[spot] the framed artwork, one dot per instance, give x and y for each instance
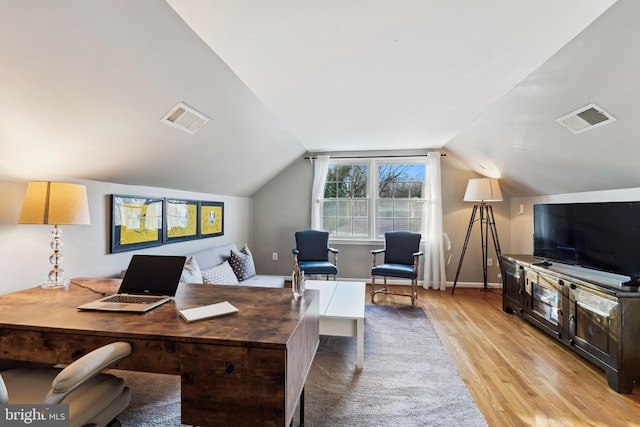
(181, 220)
(136, 222)
(211, 219)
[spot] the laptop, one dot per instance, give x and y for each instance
(150, 281)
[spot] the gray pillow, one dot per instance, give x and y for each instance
(242, 263)
(220, 275)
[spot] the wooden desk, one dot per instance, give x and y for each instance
(246, 369)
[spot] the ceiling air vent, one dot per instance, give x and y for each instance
(586, 118)
(185, 118)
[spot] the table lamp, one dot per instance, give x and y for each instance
(55, 203)
(481, 191)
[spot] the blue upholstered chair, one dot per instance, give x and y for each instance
(312, 253)
(401, 260)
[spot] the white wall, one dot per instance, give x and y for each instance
(522, 223)
(25, 251)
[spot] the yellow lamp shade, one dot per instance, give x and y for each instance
(56, 203)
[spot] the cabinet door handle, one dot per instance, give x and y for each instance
(572, 327)
(559, 312)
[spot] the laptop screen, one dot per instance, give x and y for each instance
(153, 275)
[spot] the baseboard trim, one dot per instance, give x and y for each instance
(420, 283)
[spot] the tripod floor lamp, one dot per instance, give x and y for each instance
(481, 191)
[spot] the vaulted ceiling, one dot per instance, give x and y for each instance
(84, 84)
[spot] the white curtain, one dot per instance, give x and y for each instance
(320, 170)
(434, 266)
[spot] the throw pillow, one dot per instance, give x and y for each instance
(220, 275)
(191, 272)
(242, 263)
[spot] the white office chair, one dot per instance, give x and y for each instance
(94, 398)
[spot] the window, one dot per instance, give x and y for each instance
(366, 198)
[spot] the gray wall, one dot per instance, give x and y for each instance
(267, 222)
(282, 207)
(25, 251)
(279, 209)
(522, 211)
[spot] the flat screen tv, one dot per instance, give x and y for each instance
(600, 236)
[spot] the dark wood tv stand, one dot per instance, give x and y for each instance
(598, 321)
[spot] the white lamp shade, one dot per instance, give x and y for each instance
(55, 203)
(483, 190)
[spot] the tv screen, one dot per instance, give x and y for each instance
(601, 236)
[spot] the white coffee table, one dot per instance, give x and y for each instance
(342, 311)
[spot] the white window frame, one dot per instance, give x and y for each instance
(373, 191)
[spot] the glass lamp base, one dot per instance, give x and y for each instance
(54, 284)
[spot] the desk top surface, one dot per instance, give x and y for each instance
(267, 317)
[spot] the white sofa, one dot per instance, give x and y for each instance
(214, 257)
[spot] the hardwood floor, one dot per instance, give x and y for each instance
(517, 375)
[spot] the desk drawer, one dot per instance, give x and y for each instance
(242, 386)
(51, 347)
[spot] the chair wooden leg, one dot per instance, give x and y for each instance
(414, 292)
(373, 288)
(384, 289)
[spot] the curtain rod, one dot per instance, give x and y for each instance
(375, 157)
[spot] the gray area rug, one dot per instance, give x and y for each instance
(408, 380)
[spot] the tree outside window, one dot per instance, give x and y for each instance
(346, 204)
(394, 202)
(400, 198)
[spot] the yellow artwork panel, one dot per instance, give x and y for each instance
(136, 222)
(130, 236)
(211, 220)
(182, 220)
(139, 224)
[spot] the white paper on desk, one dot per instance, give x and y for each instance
(208, 311)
